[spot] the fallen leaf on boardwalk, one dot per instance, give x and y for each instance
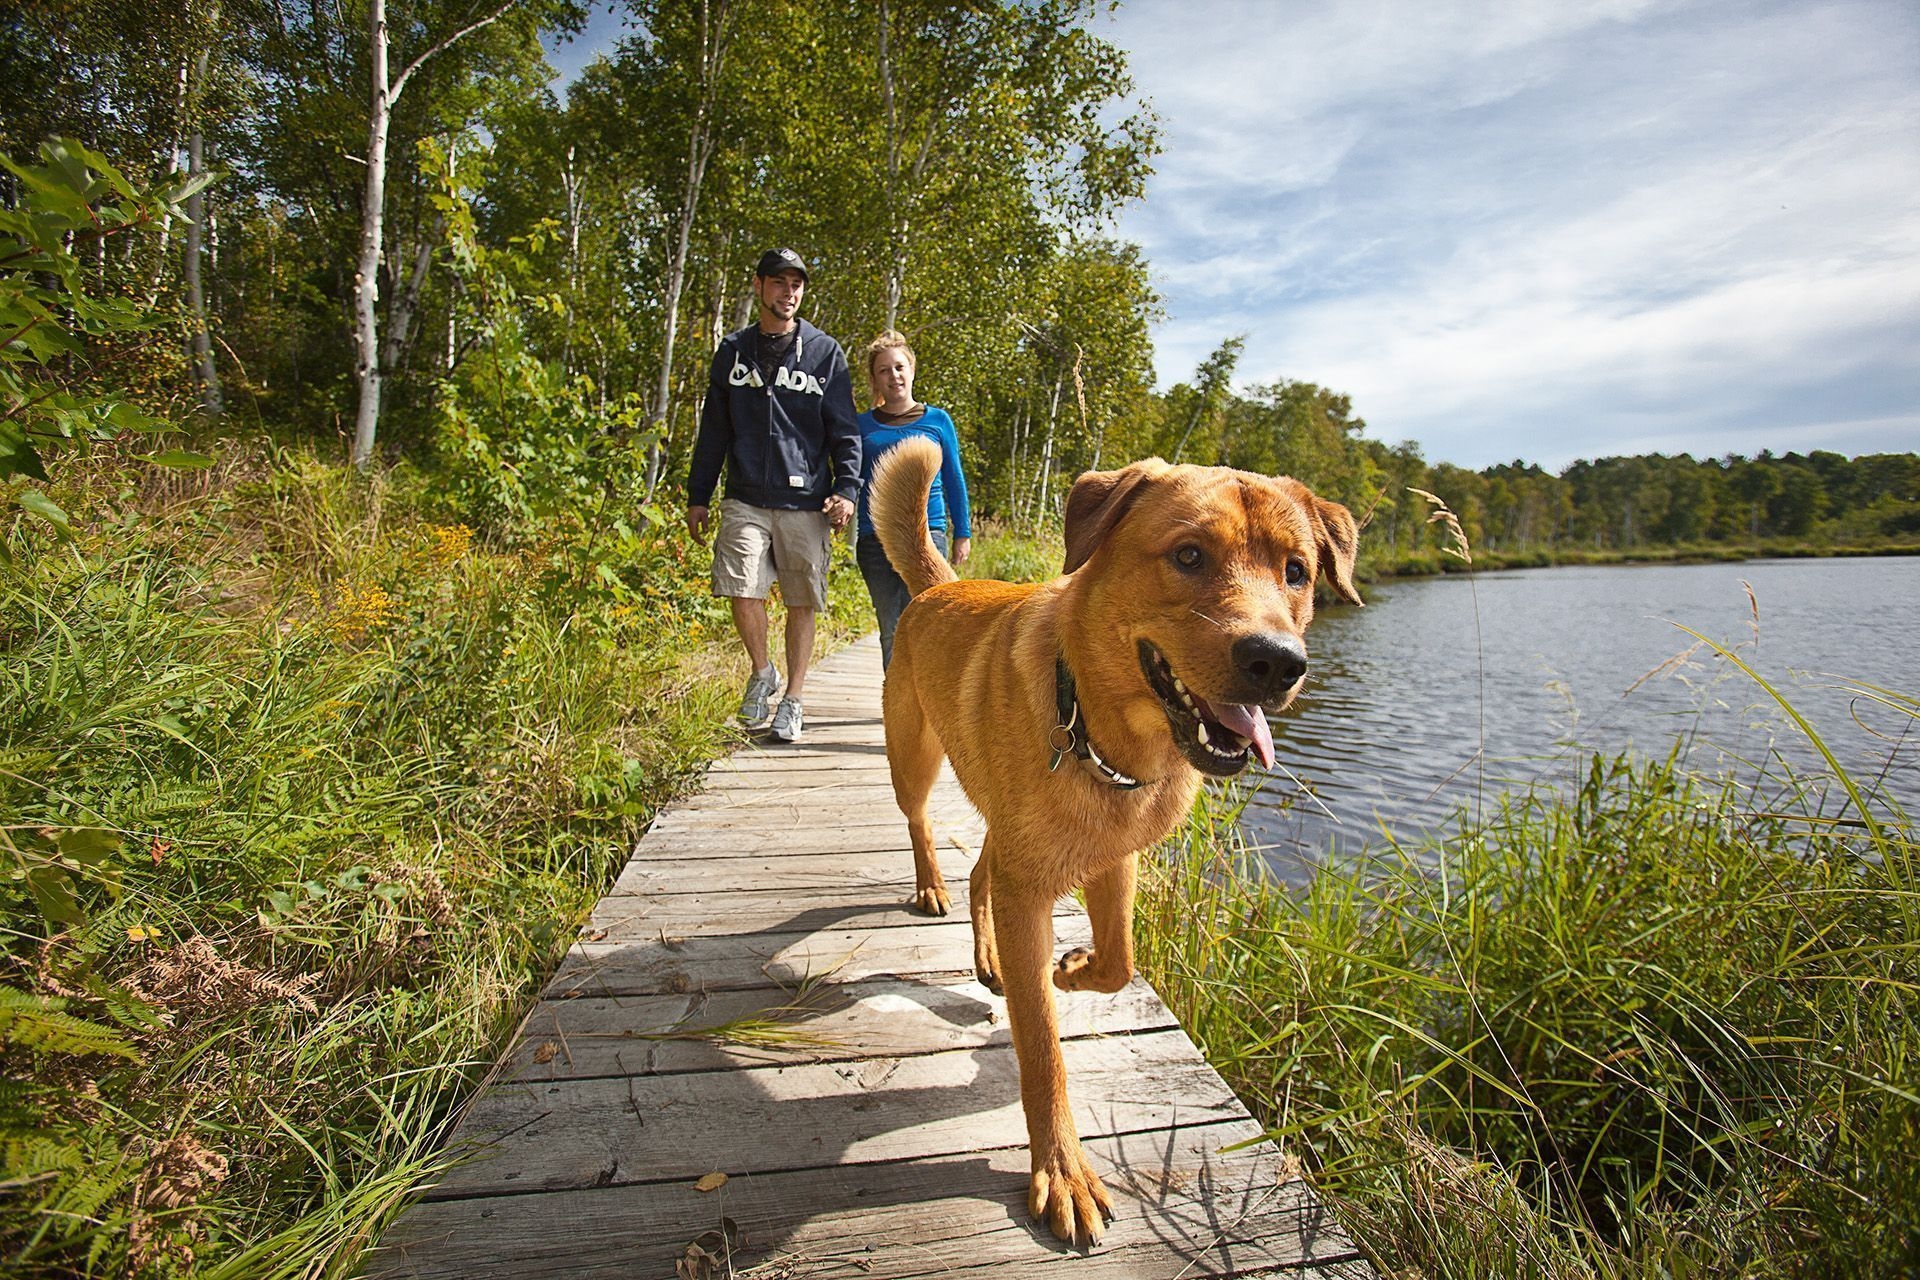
(712, 1182)
(695, 1264)
(592, 935)
(545, 1052)
(709, 1250)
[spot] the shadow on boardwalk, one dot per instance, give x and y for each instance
(880, 1133)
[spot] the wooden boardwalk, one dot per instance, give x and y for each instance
(889, 1140)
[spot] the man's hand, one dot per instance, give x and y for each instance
(697, 523)
(962, 548)
(838, 510)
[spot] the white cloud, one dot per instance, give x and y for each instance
(1548, 231)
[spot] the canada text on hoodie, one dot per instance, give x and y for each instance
(785, 445)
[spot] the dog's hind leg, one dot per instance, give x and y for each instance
(1108, 966)
(913, 757)
(986, 953)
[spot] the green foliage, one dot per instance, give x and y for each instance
(1517, 514)
(54, 390)
(331, 781)
(521, 443)
(36, 1023)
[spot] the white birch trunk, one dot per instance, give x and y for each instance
(203, 371)
(400, 328)
(1046, 449)
(700, 143)
(570, 184)
(173, 167)
(366, 277)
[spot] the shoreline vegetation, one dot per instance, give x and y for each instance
(1432, 564)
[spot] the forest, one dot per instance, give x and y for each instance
(349, 369)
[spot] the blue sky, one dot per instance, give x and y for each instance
(1542, 229)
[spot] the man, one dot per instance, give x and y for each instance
(779, 414)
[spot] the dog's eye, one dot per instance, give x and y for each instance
(1188, 557)
(1296, 573)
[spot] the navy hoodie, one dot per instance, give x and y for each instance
(788, 445)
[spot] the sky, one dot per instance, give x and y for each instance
(1540, 229)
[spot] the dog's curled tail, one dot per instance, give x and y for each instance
(902, 478)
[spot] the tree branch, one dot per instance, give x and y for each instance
(393, 92)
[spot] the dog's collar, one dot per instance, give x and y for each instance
(1069, 736)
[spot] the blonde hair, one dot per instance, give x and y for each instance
(890, 340)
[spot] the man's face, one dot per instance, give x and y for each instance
(779, 296)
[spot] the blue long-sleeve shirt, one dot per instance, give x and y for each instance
(949, 495)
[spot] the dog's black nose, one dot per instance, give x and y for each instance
(1270, 662)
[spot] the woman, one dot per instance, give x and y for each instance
(890, 367)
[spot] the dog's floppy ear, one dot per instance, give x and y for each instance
(1096, 504)
(1338, 541)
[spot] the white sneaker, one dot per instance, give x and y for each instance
(787, 720)
(760, 690)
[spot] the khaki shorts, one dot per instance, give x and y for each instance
(755, 545)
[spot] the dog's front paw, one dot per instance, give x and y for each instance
(1073, 965)
(931, 902)
(1069, 1197)
(1083, 969)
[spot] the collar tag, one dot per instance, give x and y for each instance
(1061, 740)
(1067, 738)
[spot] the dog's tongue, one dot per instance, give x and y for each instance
(1249, 723)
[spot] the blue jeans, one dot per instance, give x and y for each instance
(888, 591)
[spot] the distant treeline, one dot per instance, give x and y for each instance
(1517, 510)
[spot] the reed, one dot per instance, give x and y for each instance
(1635, 1030)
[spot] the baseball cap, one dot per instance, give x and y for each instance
(774, 261)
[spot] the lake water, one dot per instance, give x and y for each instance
(1546, 666)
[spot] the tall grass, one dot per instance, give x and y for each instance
(303, 795)
(1636, 1030)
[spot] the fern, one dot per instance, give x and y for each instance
(35, 1023)
(31, 1159)
(82, 1195)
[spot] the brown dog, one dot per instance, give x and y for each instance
(1080, 714)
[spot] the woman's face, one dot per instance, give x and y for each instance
(893, 378)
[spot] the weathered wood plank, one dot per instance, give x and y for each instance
(818, 802)
(819, 818)
(855, 873)
(747, 911)
(799, 773)
(890, 1017)
(751, 841)
(575, 1134)
(769, 762)
(674, 965)
(1186, 1208)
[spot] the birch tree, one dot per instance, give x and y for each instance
(205, 376)
(705, 38)
(386, 91)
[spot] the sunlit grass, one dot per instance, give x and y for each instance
(1630, 1031)
(333, 784)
